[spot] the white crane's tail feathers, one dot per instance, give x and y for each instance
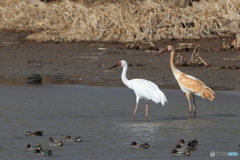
(148, 90)
(159, 97)
(163, 98)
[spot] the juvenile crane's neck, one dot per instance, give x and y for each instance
(172, 61)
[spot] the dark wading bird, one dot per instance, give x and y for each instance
(189, 84)
(142, 88)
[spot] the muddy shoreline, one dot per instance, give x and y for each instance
(86, 63)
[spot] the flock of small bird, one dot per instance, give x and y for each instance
(184, 148)
(47, 152)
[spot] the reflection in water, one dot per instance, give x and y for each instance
(40, 79)
(34, 79)
(142, 132)
(224, 115)
(142, 127)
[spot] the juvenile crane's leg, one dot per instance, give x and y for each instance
(194, 107)
(135, 111)
(189, 101)
(146, 110)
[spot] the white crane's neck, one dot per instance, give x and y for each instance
(124, 75)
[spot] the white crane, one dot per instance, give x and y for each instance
(142, 88)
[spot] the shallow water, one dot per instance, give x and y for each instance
(101, 115)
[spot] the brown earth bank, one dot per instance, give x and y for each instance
(87, 62)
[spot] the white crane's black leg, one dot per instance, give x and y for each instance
(194, 107)
(146, 109)
(188, 95)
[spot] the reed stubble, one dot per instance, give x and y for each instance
(150, 20)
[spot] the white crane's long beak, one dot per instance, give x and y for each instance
(116, 65)
(162, 51)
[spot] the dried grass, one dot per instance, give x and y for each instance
(195, 59)
(149, 20)
(235, 44)
(5, 3)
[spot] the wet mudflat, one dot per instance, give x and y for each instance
(101, 115)
(87, 63)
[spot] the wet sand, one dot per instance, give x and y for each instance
(86, 63)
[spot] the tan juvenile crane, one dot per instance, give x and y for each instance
(189, 84)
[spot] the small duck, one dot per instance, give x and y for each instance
(33, 148)
(192, 142)
(37, 133)
(180, 148)
(76, 139)
(135, 145)
(43, 152)
(190, 145)
(175, 152)
(55, 143)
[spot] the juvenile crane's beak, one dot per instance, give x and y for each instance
(162, 51)
(116, 65)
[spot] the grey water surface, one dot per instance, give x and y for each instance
(101, 115)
